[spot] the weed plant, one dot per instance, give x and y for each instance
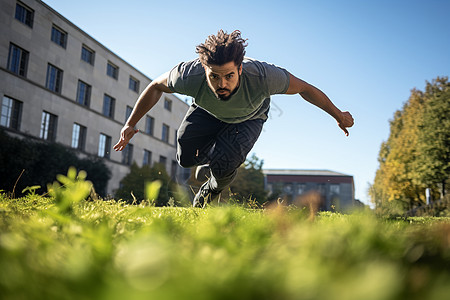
(61, 246)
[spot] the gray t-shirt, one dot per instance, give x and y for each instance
(258, 81)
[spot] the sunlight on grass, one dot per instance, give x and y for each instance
(55, 247)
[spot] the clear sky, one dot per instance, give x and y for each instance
(365, 55)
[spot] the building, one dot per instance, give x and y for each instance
(337, 191)
(59, 84)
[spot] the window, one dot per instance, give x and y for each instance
(168, 104)
(335, 189)
(163, 160)
(149, 125)
(133, 84)
(54, 78)
(59, 36)
(301, 188)
(48, 126)
(175, 137)
(127, 155)
(128, 112)
(87, 55)
(174, 168)
(112, 70)
(18, 60)
(11, 112)
(147, 161)
(104, 146)
(165, 133)
(78, 136)
(83, 93)
(24, 14)
(108, 106)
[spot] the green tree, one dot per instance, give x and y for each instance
(136, 181)
(416, 154)
(249, 182)
(434, 136)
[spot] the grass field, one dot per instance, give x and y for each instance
(63, 247)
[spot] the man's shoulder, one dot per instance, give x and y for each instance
(256, 67)
(190, 68)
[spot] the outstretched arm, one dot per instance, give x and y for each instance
(148, 98)
(319, 99)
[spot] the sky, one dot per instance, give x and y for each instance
(366, 56)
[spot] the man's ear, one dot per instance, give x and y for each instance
(240, 70)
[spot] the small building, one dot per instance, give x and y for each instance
(336, 190)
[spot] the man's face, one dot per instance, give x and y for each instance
(224, 79)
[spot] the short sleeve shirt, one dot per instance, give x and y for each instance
(258, 81)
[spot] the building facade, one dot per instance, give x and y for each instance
(336, 190)
(59, 84)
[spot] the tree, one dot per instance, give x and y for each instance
(434, 136)
(416, 154)
(249, 182)
(136, 181)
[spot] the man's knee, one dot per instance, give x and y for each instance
(186, 161)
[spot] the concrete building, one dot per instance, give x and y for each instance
(59, 84)
(337, 190)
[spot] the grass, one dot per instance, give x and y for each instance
(55, 248)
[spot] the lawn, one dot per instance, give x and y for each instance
(63, 247)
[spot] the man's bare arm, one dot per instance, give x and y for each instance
(315, 96)
(148, 98)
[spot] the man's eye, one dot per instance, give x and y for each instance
(214, 76)
(229, 76)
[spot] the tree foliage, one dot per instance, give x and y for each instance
(24, 162)
(249, 182)
(416, 154)
(134, 184)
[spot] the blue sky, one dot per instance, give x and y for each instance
(365, 55)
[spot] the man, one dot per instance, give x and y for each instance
(231, 103)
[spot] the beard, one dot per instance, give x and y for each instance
(225, 97)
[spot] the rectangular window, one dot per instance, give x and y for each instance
(176, 137)
(108, 106)
(54, 79)
(11, 113)
(18, 60)
(112, 70)
(163, 160)
(168, 104)
(128, 112)
(83, 93)
(147, 161)
(173, 169)
(87, 55)
(335, 189)
(134, 85)
(78, 136)
(48, 126)
(165, 133)
(104, 146)
(59, 36)
(24, 14)
(149, 125)
(127, 155)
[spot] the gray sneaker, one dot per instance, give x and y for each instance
(203, 173)
(204, 196)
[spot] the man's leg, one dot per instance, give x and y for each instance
(233, 143)
(196, 137)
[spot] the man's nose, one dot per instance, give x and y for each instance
(222, 83)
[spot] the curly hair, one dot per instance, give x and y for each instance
(222, 48)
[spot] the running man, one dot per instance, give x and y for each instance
(231, 103)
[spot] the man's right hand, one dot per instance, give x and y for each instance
(126, 134)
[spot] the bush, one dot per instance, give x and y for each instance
(25, 162)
